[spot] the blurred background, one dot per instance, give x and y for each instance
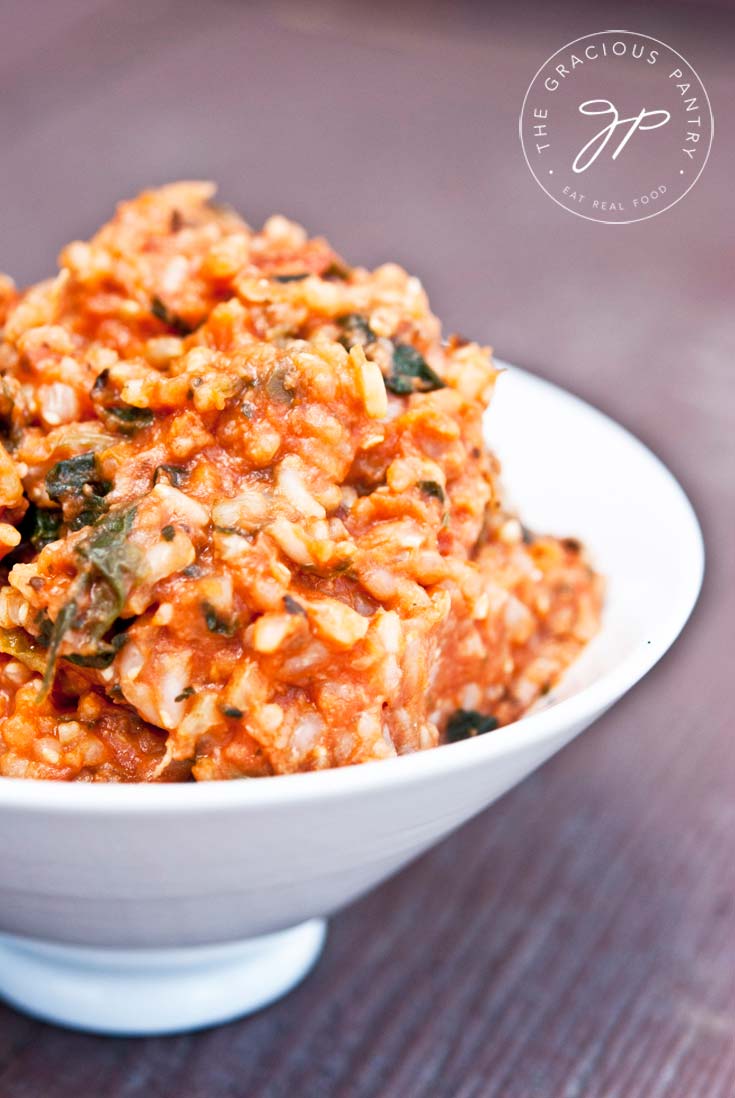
(392, 129)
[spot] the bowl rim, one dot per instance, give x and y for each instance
(382, 775)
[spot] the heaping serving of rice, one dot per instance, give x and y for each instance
(248, 522)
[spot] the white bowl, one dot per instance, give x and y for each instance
(150, 909)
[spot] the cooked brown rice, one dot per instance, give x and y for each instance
(248, 520)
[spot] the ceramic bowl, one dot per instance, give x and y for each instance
(151, 909)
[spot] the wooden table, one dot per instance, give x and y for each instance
(578, 939)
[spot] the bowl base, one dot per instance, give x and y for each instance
(142, 992)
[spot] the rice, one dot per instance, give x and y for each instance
(248, 521)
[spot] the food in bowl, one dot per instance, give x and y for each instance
(248, 521)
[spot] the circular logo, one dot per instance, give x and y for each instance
(616, 127)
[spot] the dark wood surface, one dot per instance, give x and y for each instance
(577, 940)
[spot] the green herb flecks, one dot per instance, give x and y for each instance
(109, 563)
(111, 566)
(17, 643)
(279, 386)
(176, 474)
(463, 724)
(337, 269)
(131, 419)
(355, 330)
(411, 372)
(100, 659)
(433, 489)
(77, 484)
(233, 712)
(46, 527)
(215, 622)
(59, 629)
(176, 323)
(187, 692)
(69, 477)
(233, 532)
(291, 277)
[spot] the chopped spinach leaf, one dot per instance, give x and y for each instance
(232, 531)
(431, 488)
(17, 643)
(168, 533)
(70, 476)
(291, 277)
(185, 693)
(232, 711)
(119, 640)
(108, 565)
(94, 508)
(176, 474)
(45, 628)
(409, 367)
(46, 527)
(77, 481)
(38, 528)
(134, 419)
(163, 313)
(100, 382)
(292, 606)
(102, 658)
(337, 269)
(279, 387)
(465, 723)
(355, 329)
(216, 623)
(64, 620)
(111, 564)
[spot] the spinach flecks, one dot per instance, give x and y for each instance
(233, 712)
(76, 481)
(291, 277)
(111, 565)
(92, 511)
(337, 269)
(162, 312)
(70, 476)
(432, 488)
(46, 527)
(215, 622)
(62, 625)
(108, 566)
(411, 372)
(130, 418)
(466, 723)
(279, 387)
(176, 474)
(17, 643)
(100, 659)
(355, 329)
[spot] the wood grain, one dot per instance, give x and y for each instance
(578, 939)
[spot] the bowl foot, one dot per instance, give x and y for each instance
(141, 992)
